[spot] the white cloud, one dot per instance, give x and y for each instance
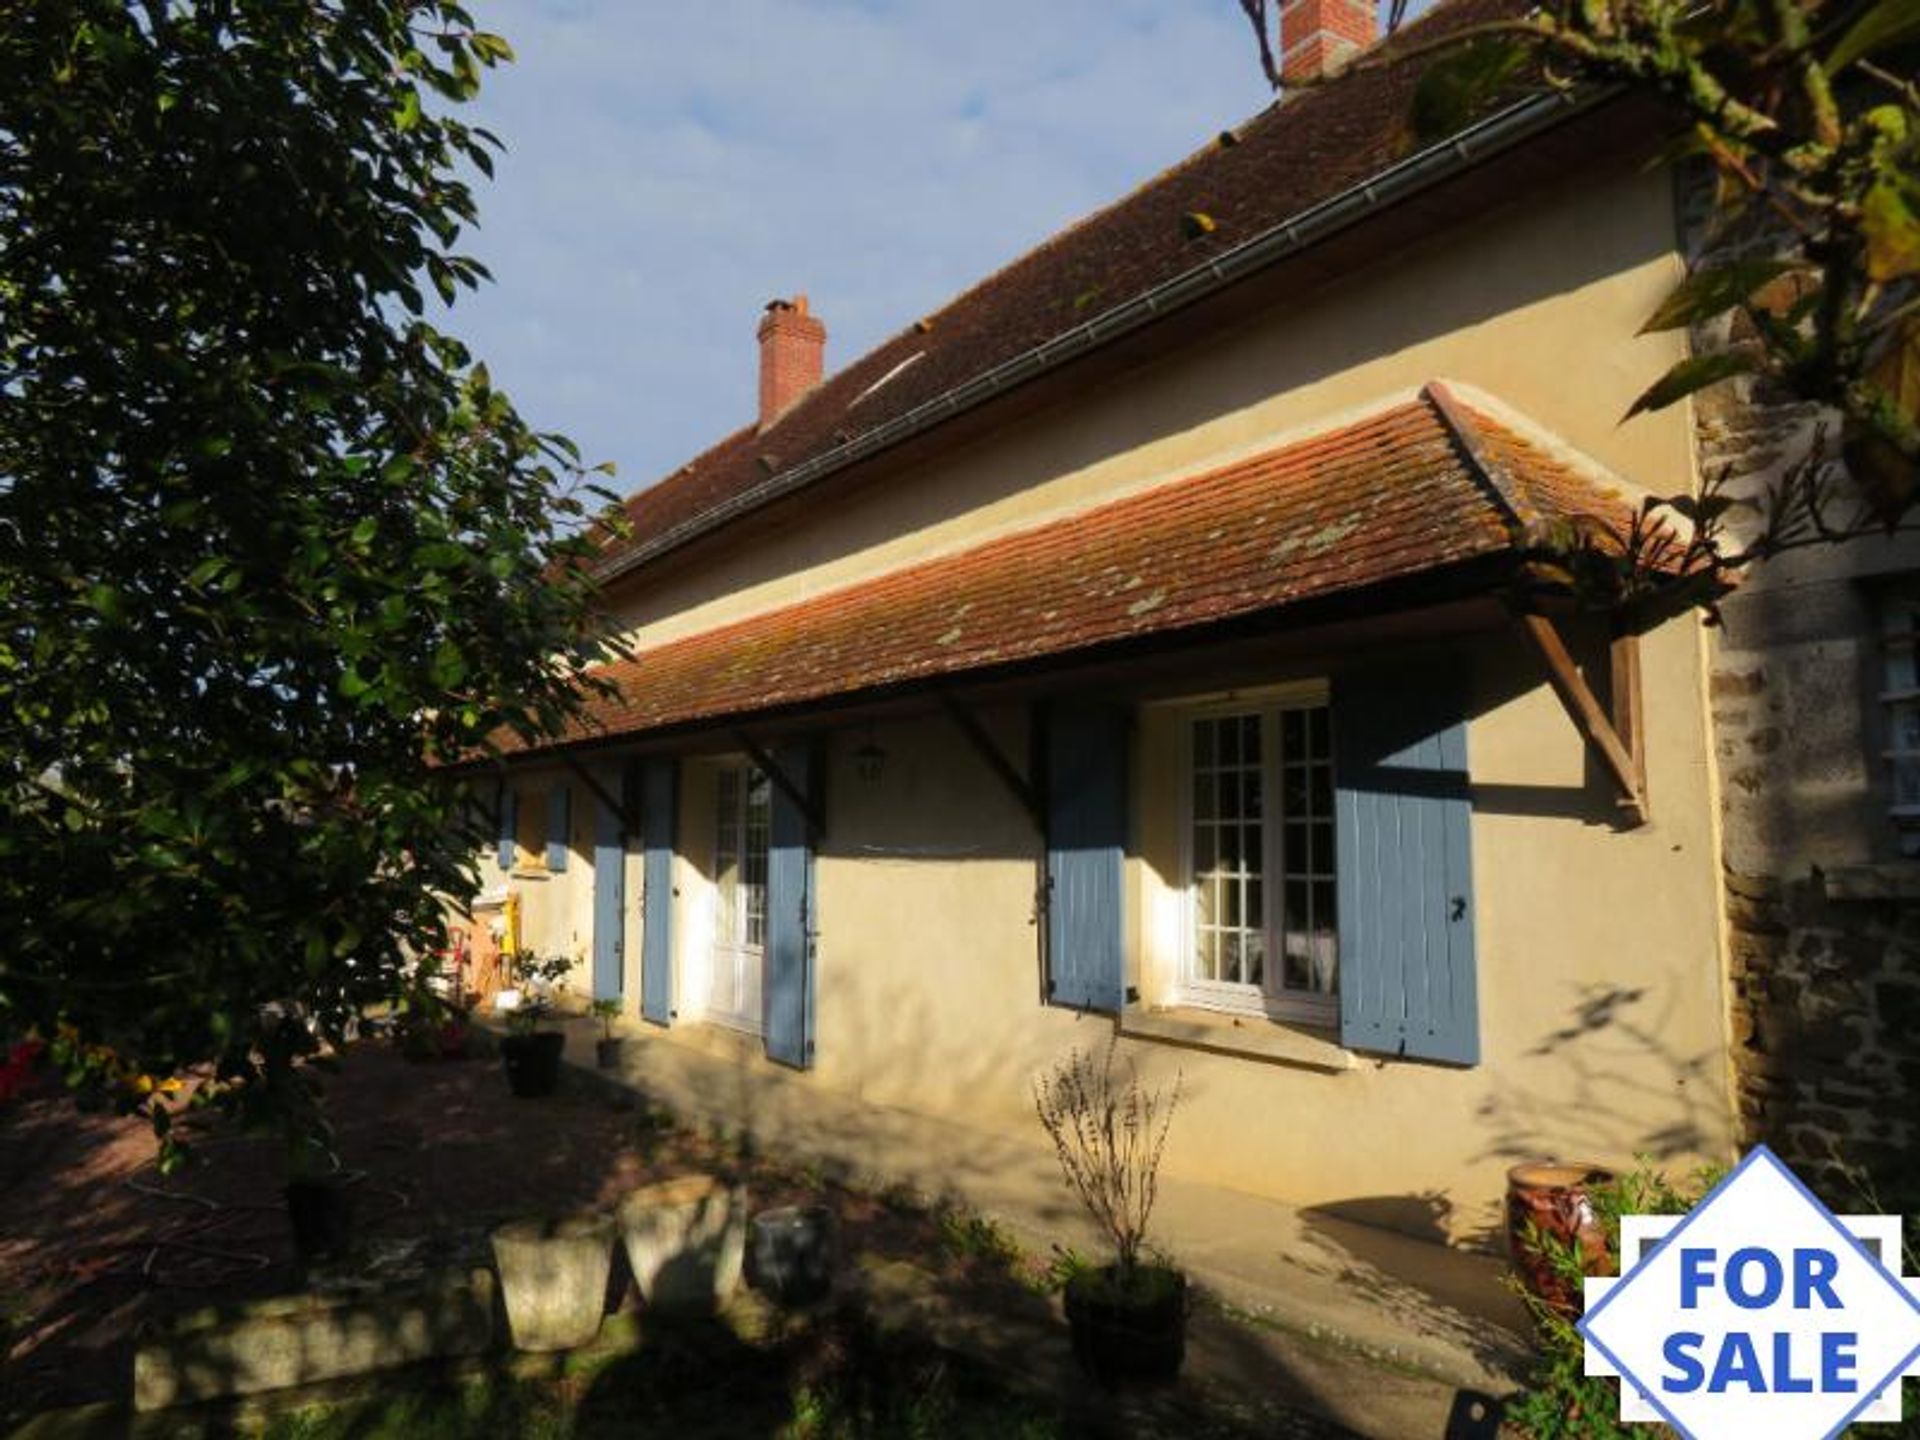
(673, 166)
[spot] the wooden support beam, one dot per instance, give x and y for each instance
(1003, 768)
(816, 822)
(1623, 659)
(629, 822)
(1587, 716)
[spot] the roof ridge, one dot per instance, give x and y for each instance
(1522, 515)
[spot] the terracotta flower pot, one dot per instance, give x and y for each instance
(685, 1240)
(1550, 1199)
(553, 1278)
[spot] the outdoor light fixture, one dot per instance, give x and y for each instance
(870, 761)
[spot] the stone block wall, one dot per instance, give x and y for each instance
(1823, 912)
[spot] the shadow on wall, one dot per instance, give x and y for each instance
(1624, 1091)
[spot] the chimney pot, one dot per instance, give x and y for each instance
(793, 352)
(1317, 37)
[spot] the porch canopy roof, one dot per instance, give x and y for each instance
(1417, 487)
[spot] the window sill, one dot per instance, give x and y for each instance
(530, 872)
(1893, 880)
(1309, 1049)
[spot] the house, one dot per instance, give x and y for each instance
(1162, 641)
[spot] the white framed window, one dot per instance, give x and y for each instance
(1900, 693)
(742, 811)
(1261, 925)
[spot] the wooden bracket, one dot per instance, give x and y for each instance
(629, 822)
(1618, 739)
(1003, 768)
(783, 782)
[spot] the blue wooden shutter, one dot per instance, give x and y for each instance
(559, 826)
(787, 983)
(609, 893)
(1404, 852)
(509, 825)
(1086, 848)
(659, 793)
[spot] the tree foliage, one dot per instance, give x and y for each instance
(1807, 115)
(270, 542)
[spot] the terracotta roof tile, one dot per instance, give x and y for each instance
(1398, 493)
(1300, 151)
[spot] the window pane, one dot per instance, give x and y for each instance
(1317, 739)
(1906, 726)
(1255, 847)
(1203, 742)
(1294, 800)
(1203, 956)
(1229, 743)
(1230, 848)
(1250, 739)
(1250, 793)
(1294, 857)
(1203, 797)
(1203, 907)
(1256, 912)
(1205, 847)
(1230, 956)
(1230, 893)
(1293, 730)
(1321, 790)
(1906, 782)
(1254, 955)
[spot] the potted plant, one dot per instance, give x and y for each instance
(553, 1279)
(1129, 1318)
(606, 1050)
(531, 1054)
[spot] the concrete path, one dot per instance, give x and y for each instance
(1347, 1310)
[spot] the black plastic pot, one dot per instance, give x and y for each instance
(1135, 1331)
(532, 1062)
(606, 1053)
(321, 1212)
(790, 1259)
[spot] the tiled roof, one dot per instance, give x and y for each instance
(1410, 489)
(1314, 144)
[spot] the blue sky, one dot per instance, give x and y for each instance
(674, 164)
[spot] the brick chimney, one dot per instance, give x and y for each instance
(793, 353)
(1317, 37)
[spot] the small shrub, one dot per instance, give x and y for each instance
(968, 1236)
(1108, 1134)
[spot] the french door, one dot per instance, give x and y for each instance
(742, 812)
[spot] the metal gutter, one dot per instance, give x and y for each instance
(1476, 143)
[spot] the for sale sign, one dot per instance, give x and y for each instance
(1761, 1315)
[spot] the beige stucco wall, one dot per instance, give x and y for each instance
(1601, 1013)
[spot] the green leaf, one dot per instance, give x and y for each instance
(1886, 26)
(490, 48)
(441, 555)
(1694, 373)
(406, 115)
(1460, 85)
(1890, 221)
(1713, 290)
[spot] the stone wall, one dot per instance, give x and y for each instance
(1823, 912)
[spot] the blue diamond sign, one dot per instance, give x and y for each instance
(1761, 1315)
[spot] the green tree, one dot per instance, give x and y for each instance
(1807, 114)
(270, 542)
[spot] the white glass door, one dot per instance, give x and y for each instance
(740, 896)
